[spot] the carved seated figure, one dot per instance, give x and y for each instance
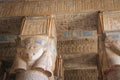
(35, 59)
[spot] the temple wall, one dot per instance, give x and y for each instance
(76, 22)
(47, 7)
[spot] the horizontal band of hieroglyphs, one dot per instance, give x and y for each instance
(81, 74)
(8, 38)
(10, 25)
(81, 21)
(79, 65)
(7, 52)
(78, 46)
(77, 34)
(81, 58)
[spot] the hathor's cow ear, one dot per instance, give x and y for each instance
(52, 28)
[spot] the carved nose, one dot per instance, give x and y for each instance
(29, 56)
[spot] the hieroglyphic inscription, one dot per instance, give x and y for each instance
(81, 74)
(7, 51)
(76, 34)
(35, 26)
(8, 38)
(73, 22)
(10, 25)
(111, 21)
(84, 45)
(80, 61)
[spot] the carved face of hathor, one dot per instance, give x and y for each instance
(32, 48)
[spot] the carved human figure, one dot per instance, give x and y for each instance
(35, 59)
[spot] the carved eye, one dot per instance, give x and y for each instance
(33, 53)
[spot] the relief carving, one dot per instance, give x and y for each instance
(111, 21)
(75, 23)
(36, 56)
(10, 25)
(84, 45)
(112, 46)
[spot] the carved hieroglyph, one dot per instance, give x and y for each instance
(36, 56)
(111, 21)
(10, 25)
(70, 26)
(112, 44)
(82, 42)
